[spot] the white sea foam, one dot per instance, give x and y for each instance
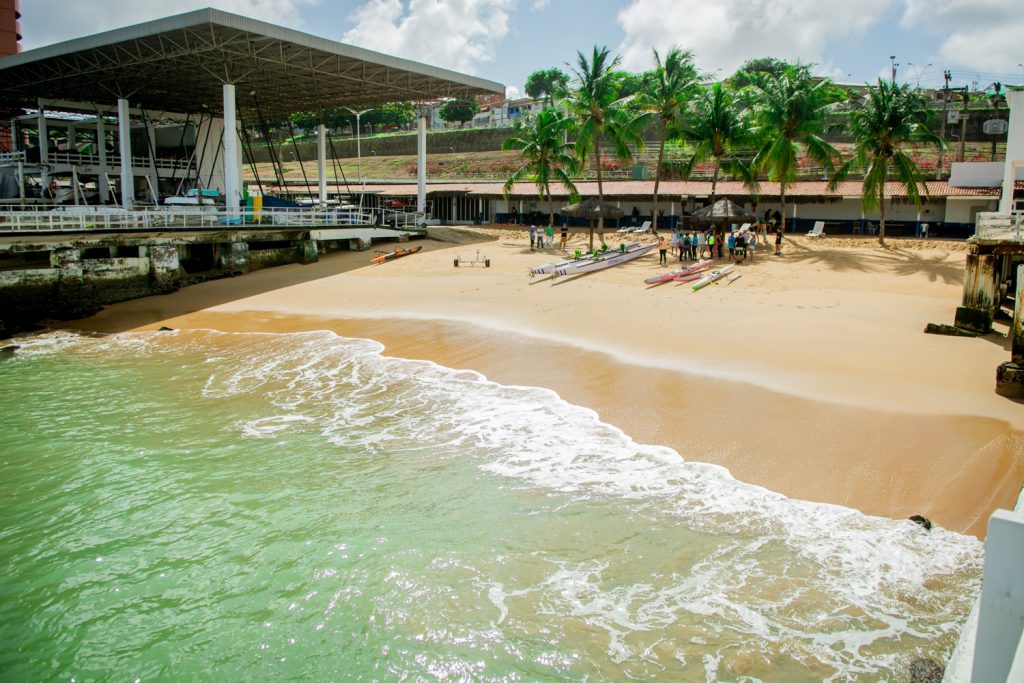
(529, 436)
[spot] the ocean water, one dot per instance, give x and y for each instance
(208, 506)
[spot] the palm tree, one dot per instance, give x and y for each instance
(889, 117)
(547, 156)
(791, 107)
(671, 84)
(716, 128)
(593, 101)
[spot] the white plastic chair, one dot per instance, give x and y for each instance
(818, 230)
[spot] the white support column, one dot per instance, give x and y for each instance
(1014, 149)
(1001, 605)
(101, 150)
(321, 161)
(421, 163)
(124, 136)
(232, 176)
(44, 136)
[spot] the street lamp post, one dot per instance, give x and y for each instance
(359, 151)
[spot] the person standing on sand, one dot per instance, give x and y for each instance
(549, 232)
(778, 240)
(663, 251)
(565, 236)
(533, 236)
(711, 243)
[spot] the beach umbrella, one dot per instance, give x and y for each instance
(593, 208)
(723, 211)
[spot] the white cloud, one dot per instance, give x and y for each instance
(981, 34)
(457, 34)
(539, 5)
(726, 33)
(50, 21)
(513, 92)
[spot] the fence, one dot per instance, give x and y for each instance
(993, 225)
(85, 219)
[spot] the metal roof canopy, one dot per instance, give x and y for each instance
(179, 63)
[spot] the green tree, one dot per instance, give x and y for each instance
(628, 83)
(547, 156)
(889, 117)
(716, 128)
(668, 88)
(546, 83)
(791, 109)
(458, 110)
(754, 71)
(398, 113)
(600, 116)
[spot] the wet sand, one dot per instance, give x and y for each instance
(810, 375)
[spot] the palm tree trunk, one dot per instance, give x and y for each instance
(551, 206)
(881, 213)
(657, 182)
(600, 191)
(782, 196)
(714, 179)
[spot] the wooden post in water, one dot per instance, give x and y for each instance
(979, 302)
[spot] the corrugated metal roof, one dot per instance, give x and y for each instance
(179, 63)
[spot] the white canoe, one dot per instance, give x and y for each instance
(549, 268)
(606, 261)
(712, 276)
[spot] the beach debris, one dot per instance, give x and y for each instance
(949, 330)
(164, 328)
(923, 521)
(476, 260)
(925, 671)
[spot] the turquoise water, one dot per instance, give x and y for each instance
(207, 506)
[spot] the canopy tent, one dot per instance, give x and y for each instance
(723, 211)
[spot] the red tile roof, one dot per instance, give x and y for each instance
(691, 188)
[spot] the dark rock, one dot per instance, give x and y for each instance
(925, 671)
(1010, 380)
(923, 521)
(9, 349)
(164, 328)
(949, 330)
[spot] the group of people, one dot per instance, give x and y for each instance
(544, 238)
(694, 245)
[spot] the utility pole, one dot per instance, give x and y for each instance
(998, 87)
(963, 123)
(892, 61)
(946, 75)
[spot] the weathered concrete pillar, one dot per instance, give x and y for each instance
(1010, 376)
(234, 257)
(404, 237)
(359, 244)
(979, 302)
(68, 262)
(164, 264)
(307, 252)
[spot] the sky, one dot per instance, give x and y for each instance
(852, 41)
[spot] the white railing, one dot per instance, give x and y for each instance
(8, 158)
(992, 224)
(80, 159)
(93, 218)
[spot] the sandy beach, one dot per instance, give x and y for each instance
(810, 375)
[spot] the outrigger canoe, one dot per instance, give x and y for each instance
(397, 253)
(678, 273)
(712, 277)
(549, 268)
(605, 261)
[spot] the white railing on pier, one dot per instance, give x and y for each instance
(96, 218)
(80, 159)
(994, 225)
